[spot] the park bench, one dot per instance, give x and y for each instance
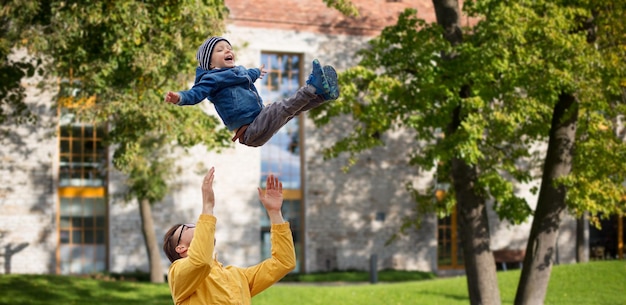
(509, 256)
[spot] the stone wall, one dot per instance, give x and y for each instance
(28, 236)
(356, 212)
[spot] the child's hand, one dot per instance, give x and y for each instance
(172, 97)
(263, 71)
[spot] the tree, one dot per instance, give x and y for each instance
(13, 69)
(524, 75)
(124, 56)
(580, 165)
(471, 200)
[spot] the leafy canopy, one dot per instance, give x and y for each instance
(119, 58)
(515, 61)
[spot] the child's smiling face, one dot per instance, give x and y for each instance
(222, 56)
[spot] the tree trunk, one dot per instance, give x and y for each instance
(149, 237)
(582, 238)
(480, 267)
(448, 15)
(541, 248)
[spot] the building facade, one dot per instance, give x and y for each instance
(60, 206)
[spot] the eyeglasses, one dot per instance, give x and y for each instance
(182, 228)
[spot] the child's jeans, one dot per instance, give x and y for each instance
(275, 115)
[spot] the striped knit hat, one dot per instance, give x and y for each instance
(206, 49)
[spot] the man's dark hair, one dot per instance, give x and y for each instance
(168, 247)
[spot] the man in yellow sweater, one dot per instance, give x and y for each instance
(196, 277)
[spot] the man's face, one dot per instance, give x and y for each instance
(185, 234)
(223, 55)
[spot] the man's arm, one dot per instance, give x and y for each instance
(283, 259)
(188, 273)
(208, 196)
(272, 199)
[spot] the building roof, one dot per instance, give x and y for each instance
(314, 16)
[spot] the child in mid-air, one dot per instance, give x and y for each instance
(231, 90)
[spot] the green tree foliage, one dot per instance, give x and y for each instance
(13, 68)
(517, 62)
(344, 6)
(120, 57)
(540, 50)
(516, 66)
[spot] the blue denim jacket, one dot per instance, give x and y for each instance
(231, 90)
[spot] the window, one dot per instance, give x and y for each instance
(82, 232)
(608, 241)
(281, 155)
(449, 251)
(82, 205)
(82, 156)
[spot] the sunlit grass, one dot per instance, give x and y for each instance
(596, 283)
(50, 289)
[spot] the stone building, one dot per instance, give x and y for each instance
(59, 206)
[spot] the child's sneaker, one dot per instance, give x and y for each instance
(331, 78)
(322, 82)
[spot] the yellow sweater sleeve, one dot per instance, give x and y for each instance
(271, 270)
(187, 274)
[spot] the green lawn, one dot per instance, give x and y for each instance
(66, 290)
(596, 283)
(360, 276)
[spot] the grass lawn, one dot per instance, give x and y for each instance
(595, 283)
(359, 276)
(66, 290)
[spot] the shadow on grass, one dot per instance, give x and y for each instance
(358, 276)
(444, 295)
(48, 289)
